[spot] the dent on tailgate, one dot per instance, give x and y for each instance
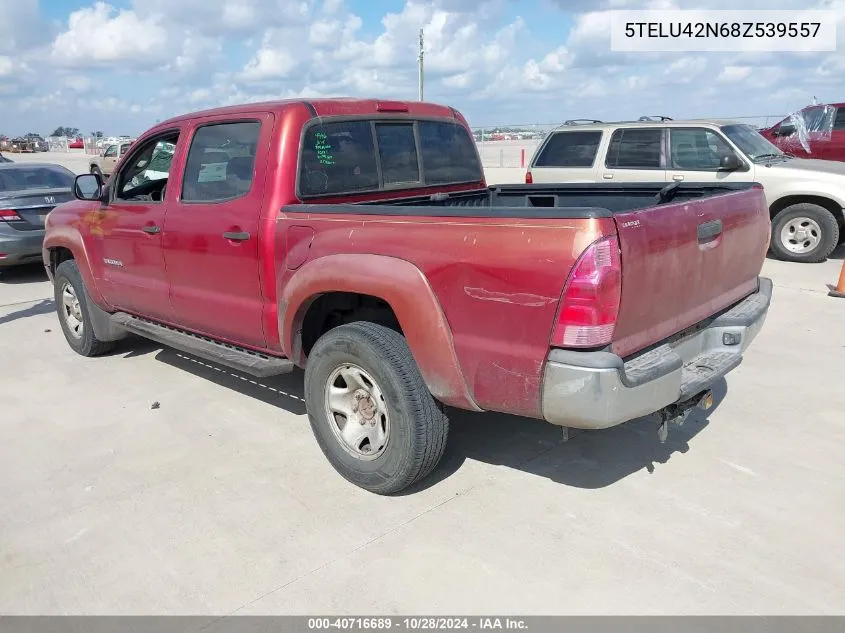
(671, 280)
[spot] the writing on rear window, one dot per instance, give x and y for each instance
(323, 148)
(340, 157)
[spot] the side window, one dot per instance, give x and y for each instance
(696, 149)
(221, 162)
(111, 151)
(144, 177)
(839, 121)
(397, 150)
(124, 148)
(636, 148)
(338, 158)
(448, 152)
(570, 149)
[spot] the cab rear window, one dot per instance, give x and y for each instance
(355, 156)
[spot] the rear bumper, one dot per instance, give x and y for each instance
(595, 390)
(20, 247)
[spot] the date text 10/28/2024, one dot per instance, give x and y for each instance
(416, 624)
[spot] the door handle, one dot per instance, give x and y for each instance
(152, 230)
(677, 177)
(709, 230)
(607, 176)
(236, 236)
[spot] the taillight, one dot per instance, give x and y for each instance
(589, 306)
(10, 215)
(529, 179)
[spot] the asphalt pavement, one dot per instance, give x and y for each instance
(147, 481)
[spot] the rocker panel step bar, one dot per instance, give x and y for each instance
(247, 361)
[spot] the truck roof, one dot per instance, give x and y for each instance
(327, 107)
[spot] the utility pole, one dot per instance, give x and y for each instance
(422, 55)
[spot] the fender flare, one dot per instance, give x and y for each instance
(401, 285)
(61, 237)
(818, 193)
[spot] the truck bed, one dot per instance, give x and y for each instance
(498, 260)
(596, 200)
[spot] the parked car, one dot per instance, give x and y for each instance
(22, 145)
(38, 143)
(28, 192)
(805, 197)
(824, 132)
(357, 239)
(104, 165)
(77, 143)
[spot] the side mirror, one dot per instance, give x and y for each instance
(784, 130)
(89, 187)
(729, 162)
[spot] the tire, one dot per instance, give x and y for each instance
(72, 308)
(816, 228)
(96, 170)
(413, 426)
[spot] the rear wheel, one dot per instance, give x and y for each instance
(370, 409)
(73, 310)
(804, 232)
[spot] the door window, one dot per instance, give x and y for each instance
(144, 177)
(839, 121)
(221, 162)
(111, 151)
(124, 148)
(696, 149)
(635, 148)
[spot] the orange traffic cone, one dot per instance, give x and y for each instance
(839, 290)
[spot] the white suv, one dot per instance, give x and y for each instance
(805, 197)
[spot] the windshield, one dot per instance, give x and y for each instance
(751, 142)
(19, 178)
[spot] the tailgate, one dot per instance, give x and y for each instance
(682, 262)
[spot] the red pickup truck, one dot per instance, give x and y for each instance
(358, 239)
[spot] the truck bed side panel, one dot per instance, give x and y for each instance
(498, 281)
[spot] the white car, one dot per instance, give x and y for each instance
(104, 165)
(805, 197)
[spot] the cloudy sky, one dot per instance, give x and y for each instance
(122, 65)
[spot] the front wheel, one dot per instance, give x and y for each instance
(74, 315)
(96, 171)
(370, 409)
(804, 232)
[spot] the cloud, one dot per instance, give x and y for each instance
(490, 58)
(102, 36)
(23, 27)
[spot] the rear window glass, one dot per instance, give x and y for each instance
(20, 178)
(355, 156)
(635, 149)
(448, 153)
(397, 151)
(570, 149)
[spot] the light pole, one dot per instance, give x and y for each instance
(421, 70)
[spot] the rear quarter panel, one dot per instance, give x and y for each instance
(497, 281)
